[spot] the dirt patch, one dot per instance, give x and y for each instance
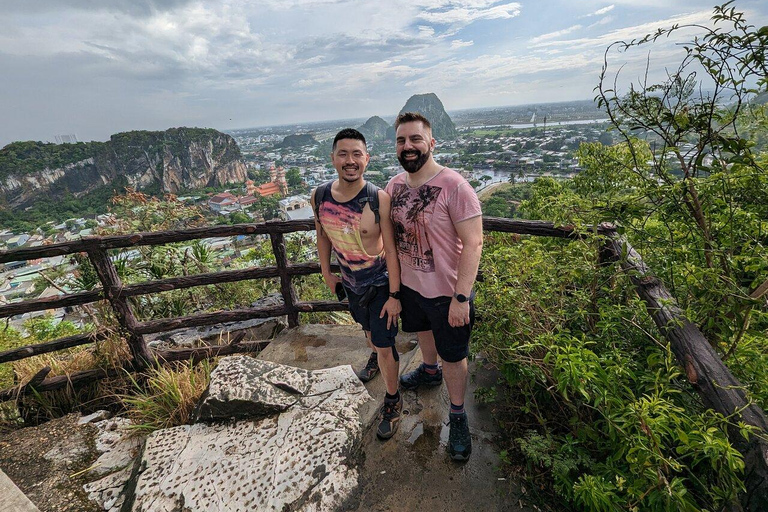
(46, 462)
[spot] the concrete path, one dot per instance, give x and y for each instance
(411, 471)
(12, 499)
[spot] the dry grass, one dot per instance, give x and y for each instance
(109, 353)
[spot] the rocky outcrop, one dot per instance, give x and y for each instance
(430, 106)
(375, 128)
(169, 161)
(297, 141)
(295, 450)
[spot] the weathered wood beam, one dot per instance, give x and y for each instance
(62, 301)
(112, 287)
(706, 372)
(200, 353)
(74, 381)
(155, 238)
(286, 286)
(227, 276)
(538, 228)
(52, 346)
(523, 227)
(216, 317)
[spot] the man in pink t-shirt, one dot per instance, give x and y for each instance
(439, 233)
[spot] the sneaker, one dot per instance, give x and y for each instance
(419, 376)
(459, 439)
(370, 370)
(390, 418)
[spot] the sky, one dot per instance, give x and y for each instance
(98, 67)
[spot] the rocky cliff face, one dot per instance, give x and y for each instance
(430, 106)
(170, 161)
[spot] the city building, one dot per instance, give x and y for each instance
(296, 207)
(222, 201)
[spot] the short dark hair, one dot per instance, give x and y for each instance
(348, 133)
(410, 117)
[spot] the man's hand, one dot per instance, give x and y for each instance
(458, 313)
(331, 280)
(392, 308)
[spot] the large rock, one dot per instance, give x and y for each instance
(297, 460)
(430, 106)
(243, 387)
(375, 128)
(172, 160)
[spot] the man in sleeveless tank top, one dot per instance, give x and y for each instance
(439, 235)
(370, 272)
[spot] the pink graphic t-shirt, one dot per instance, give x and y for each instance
(424, 219)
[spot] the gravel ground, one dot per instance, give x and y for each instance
(45, 463)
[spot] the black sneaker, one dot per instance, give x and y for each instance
(390, 418)
(370, 370)
(419, 376)
(459, 439)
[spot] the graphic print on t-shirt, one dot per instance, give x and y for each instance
(411, 209)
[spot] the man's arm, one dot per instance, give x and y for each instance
(324, 251)
(392, 306)
(470, 233)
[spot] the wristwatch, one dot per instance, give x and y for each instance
(395, 295)
(461, 297)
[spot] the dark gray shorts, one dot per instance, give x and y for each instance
(369, 317)
(424, 314)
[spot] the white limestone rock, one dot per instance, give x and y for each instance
(297, 460)
(119, 447)
(244, 387)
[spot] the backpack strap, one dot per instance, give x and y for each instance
(372, 198)
(318, 197)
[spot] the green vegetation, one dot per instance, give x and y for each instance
(21, 158)
(54, 210)
(505, 200)
(593, 398)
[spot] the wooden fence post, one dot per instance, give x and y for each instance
(113, 287)
(286, 286)
(718, 388)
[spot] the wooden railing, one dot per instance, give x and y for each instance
(719, 389)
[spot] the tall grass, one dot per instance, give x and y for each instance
(166, 396)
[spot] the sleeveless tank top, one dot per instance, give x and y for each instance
(341, 223)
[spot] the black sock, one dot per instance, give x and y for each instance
(392, 398)
(457, 409)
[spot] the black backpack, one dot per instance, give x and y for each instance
(371, 197)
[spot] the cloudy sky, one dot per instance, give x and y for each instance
(97, 67)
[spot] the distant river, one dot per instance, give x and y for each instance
(531, 125)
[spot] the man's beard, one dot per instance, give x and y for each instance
(412, 166)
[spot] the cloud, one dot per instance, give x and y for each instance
(555, 35)
(463, 15)
(602, 21)
(602, 11)
(138, 8)
(458, 43)
(631, 32)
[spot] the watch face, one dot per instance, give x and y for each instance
(461, 298)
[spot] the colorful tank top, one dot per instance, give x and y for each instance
(341, 223)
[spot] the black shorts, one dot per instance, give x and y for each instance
(369, 317)
(423, 314)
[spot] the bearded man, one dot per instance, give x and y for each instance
(439, 235)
